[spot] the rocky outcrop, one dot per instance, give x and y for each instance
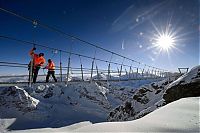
(122, 112)
(187, 86)
(18, 98)
(148, 98)
(144, 100)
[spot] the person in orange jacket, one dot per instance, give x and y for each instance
(38, 61)
(51, 70)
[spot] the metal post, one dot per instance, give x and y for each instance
(109, 76)
(32, 57)
(97, 72)
(163, 74)
(68, 66)
(92, 70)
(121, 67)
(31, 74)
(152, 73)
(108, 71)
(155, 73)
(143, 70)
(147, 73)
(60, 66)
(120, 72)
(126, 72)
(137, 74)
(160, 74)
(81, 68)
(93, 65)
(82, 72)
(129, 75)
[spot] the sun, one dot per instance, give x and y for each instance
(165, 42)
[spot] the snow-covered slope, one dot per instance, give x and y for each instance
(179, 116)
(143, 101)
(53, 105)
(187, 85)
(192, 76)
(58, 105)
(43, 105)
(150, 97)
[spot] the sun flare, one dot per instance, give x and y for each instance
(165, 42)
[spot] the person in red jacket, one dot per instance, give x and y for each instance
(51, 70)
(38, 61)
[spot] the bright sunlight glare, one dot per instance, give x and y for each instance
(165, 42)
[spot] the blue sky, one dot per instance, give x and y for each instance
(123, 26)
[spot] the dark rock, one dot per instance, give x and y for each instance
(128, 107)
(182, 90)
(155, 86)
(121, 89)
(48, 95)
(141, 99)
(158, 91)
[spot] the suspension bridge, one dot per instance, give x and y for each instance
(74, 66)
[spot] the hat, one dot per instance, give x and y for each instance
(41, 54)
(49, 60)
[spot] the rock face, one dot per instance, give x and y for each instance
(148, 98)
(144, 100)
(18, 98)
(187, 86)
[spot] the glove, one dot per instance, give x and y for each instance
(34, 48)
(38, 66)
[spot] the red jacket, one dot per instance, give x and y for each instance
(50, 66)
(36, 59)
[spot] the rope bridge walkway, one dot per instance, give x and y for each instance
(96, 68)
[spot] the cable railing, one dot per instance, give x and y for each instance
(134, 70)
(76, 75)
(68, 36)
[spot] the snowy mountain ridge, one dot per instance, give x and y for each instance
(60, 105)
(41, 105)
(150, 97)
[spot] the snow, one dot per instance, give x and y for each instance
(191, 76)
(179, 116)
(77, 106)
(45, 104)
(62, 129)
(144, 100)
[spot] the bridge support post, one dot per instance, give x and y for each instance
(60, 67)
(92, 71)
(137, 73)
(30, 78)
(108, 72)
(152, 73)
(155, 73)
(129, 75)
(82, 72)
(68, 66)
(126, 72)
(120, 72)
(97, 72)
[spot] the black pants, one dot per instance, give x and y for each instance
(49, 74)
(35, 73)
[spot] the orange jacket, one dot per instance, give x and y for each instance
(50, 66)
(36, 59)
